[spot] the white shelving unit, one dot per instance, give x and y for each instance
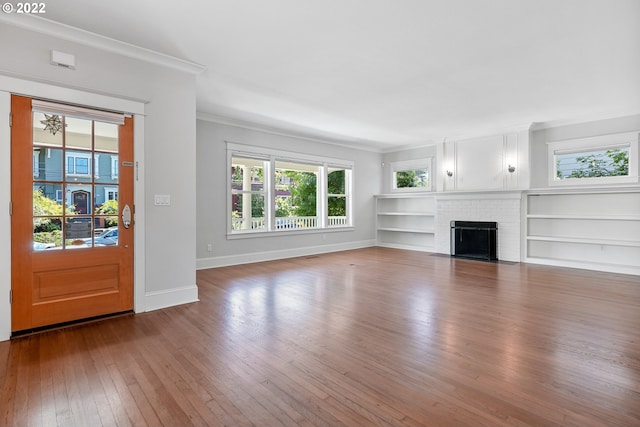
(406, 221)
(592, 229)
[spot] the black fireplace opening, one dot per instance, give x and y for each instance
(474, 240)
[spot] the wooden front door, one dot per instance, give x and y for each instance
(71, 177)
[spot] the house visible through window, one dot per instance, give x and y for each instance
(278, 191)
(78, 163)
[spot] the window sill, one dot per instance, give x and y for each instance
(596, 181)
(289, 232)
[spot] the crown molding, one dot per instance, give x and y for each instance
(584, 119)
(214, 118)
(87, 38)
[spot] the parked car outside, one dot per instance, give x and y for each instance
(38, 246)
(108, 237)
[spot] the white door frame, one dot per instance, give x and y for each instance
(12, 85)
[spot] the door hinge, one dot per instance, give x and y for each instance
(10, 208)
(10, 296)
(10, 119)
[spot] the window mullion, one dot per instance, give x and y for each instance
(270, 193)
(322, 198)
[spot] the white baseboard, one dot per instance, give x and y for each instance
(224, 261)
(170, 297)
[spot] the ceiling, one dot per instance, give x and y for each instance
(388, 74)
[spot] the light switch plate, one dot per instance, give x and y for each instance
(162, 200)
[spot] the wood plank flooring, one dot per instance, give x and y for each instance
(371, 337)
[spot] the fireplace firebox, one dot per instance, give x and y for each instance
(474, 240)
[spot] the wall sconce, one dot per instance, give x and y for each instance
(449, 173)
(511, 169)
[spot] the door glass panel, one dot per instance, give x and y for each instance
(79, 198)
(77, 133)
(47, 233)
(106, 168)
(47, 164)
(47, 199)
(76, 185)
(78, 231)
(78, 166)
(47, 129)
(106, 137)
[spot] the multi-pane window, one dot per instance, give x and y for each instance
(78, 163)
(272, 191)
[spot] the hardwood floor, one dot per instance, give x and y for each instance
(377, 336)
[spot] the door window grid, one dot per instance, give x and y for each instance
(69, 207)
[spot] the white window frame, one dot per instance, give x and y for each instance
(606, 142)
(405, 165)
(108, 190)
(36, 163)
(264, 192)
(115, 167)
(348, 188)
(96, 165)
(271, 156)
(78, 155)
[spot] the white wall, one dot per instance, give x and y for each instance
(168, 165)
(540, 138)
(212, 199)
(481, 164)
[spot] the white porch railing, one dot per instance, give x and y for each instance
(337, 220)
(285, 223)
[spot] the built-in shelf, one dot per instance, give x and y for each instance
(589, 217)
(408, 213)
(611, 242)
(406, 221)
(596, 229)
(408, 230)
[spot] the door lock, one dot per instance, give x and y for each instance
(126, 216)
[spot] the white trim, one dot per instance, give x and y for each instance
(108, 190)
(170, 297)
(139, 231)
(77, 155)
(5, 218)
(87, 38)
(223, 261)
(115, 166)
(293, 156)
(243, 124)
(406, 165)
(36, 163)
(35, 88)
(480, 195)
(603, 142)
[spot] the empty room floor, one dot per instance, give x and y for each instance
(374, 336)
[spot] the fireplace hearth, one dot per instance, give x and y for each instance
(474, 240)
